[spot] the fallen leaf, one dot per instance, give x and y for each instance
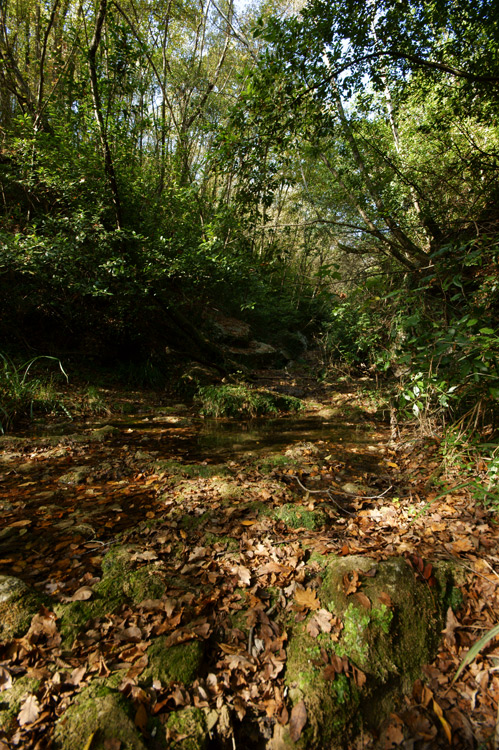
(351, 582)
(321, 622)
(244, 575)
(445, 724)
(146, 555)
(451, 624)
(88, 743)
(297, 721)
(363, 599)
(386, 599)
(5, 679)
(30, 711)
(81, 595)
(307, 598)
(140, 719)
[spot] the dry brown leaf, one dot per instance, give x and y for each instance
(462, 545)
(307, 598)
(392, 736)
(351, 582)
(77, 675)
(81, 595)
(445, 724)
(30, 711)
(244, 575)
(140, 719)
(321, 622)
(386, 599)
(297, 721)
(329, 672)
(5, 679)
(451, 624)
(363, 599)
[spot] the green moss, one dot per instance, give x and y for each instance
(178, 470)
(18, 604)
(173, 663)
(389, 644)
(275, 461)
(317, 560)
(120, 583)
(187, 729)
(190, 522)
(295, 516)
(230, 542)
(331, 705)
(456, 599)
(101, 712)
(360, 629)
(12, 699)
(144, 583)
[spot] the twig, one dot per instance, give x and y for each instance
(343, 492)
(250, 640)
(343, 510)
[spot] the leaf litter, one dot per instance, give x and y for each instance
(232, 564)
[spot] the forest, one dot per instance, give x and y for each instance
(248, 250)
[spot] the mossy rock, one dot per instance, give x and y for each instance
(274, 461)
(12, 699)
(177, 471)
(120, 583)
(389, 633)
(297, 517)
(18, 604)
(169, 664)
(332, 706)
(187, 729)
(101, 713)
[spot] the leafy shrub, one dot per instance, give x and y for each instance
(242, 401)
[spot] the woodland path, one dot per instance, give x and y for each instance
(227, 505)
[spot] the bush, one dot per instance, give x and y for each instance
(21, 393)
(243, 401)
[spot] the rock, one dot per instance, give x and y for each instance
(356, 489)
(27, 467)
(99, 715)
(77, 475)
(169, 664)
(391, 627)
(18, 603)
(13, 698)
(121, 582)
(101, 433)
(256, 354)
(294, 344)
(195, 377)
(230, 330)
(187, 729)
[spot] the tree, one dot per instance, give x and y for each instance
(346, 85)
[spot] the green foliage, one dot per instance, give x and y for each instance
(21, 394)
(243, 401)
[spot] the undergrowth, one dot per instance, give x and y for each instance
(241, 400)
(22, 393)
